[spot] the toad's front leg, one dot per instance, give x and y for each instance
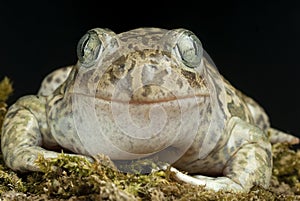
(249, 160)
(24, 132)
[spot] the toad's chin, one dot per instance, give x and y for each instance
(153, 125)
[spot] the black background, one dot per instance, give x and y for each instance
(255, 44)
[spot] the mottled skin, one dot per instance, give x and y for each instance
(235, 158)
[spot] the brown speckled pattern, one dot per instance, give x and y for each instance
(240, 158)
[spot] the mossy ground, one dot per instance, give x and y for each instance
(74, 178)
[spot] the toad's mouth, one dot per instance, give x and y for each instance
(141, 101)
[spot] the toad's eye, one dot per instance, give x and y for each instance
(89, 48)
(189, 48)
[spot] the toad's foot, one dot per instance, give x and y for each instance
(250, 164)
(277, 136)
(218, 183)
(22, 139)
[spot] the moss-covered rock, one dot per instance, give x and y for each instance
(75, 178)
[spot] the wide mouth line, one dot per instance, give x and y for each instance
(141, 102)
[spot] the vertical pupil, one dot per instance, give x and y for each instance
(190, 51)
(84, 44)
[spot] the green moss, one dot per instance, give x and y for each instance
(6, 89)
(75, 178)
(10, 181)
(66, 176)
(286, 171)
